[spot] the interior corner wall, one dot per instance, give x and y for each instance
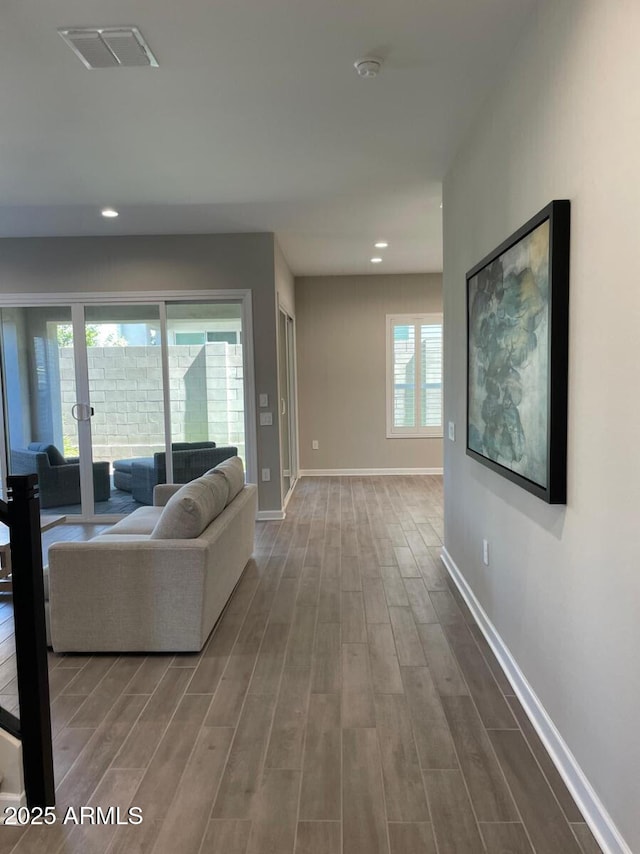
(164, 263)
(341, 352)
(563, 587)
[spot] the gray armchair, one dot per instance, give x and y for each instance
(58, 478)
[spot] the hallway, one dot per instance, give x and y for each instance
(346, 702)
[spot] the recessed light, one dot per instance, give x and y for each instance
(376, 260)
(109, 213)
(381, 244)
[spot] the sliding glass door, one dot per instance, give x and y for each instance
(39, 385)
(105, 400)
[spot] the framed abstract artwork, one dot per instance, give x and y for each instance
(517, 355)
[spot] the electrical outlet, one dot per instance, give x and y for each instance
(485, 552)
(315, 445)
(264, 400)
(266, 419)
(266, 474)
(452, 431)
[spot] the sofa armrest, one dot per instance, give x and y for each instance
(162, 492)
(126, 594)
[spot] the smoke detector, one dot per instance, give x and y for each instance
(109, 47)
(368, 66)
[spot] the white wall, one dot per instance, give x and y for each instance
(341, 347)
(563, 588)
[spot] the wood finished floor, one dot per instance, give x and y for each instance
(345, 704)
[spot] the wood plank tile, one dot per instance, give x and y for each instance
(319, 837)
(92, 712)
(383, 660)
(541, 814)
(411, 838)
(326, 675)
(406, 562)
(433, 573)
(287, 734)
(350, 573)
(100, 751)
(330, 602)
(394, 590)
(489, 793)
(446, 607)
(228, 836)
(430, 728)
(375, 601)
(494, 709)
(354, 628)
(273, 824)
(301, 638)
(158, 786)
(67, 747)
(229, 697)
(442, 664)
(284, 601)
(188, 814)
(403, 786)
(309, 587)
(549, 770)
(88, 677)
(419, 601)
(408, 646)
(206, 676)
(454, 825)
(506, 838)
(357, 694)
(363, 811)
(250, 636)
(585, 838)
(138, 748)
(268, 669)
(244, 764)
(116, 789)
(148, 676)
(492, 661)
(321, 783)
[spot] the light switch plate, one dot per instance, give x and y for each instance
(264, 400)
(452, 431)
(266, 419)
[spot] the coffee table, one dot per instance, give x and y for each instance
(47, 521)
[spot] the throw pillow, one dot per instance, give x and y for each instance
(233, 471)
(188, 512)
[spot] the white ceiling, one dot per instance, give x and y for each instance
(254, 121)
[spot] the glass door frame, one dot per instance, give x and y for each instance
(291, 374)
(77, 302)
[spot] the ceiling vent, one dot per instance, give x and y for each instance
(109, 47)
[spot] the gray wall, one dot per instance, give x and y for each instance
(563, 587)
(168, 262)
(341, 348)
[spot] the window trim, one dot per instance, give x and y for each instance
(408, 432)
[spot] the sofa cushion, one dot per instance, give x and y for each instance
(233, 471)
(125, 465)
(188, 512)
(54, 455)
(141, 521)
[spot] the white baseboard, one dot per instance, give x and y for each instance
(595, 814)
(362, 472)
(7, 799)
(270, 515)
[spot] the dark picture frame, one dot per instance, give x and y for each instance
(517, 355)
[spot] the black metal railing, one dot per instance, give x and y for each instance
(21, 513)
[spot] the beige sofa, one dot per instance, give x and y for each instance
(158, 580)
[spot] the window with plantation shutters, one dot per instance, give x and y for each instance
(414, 375)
